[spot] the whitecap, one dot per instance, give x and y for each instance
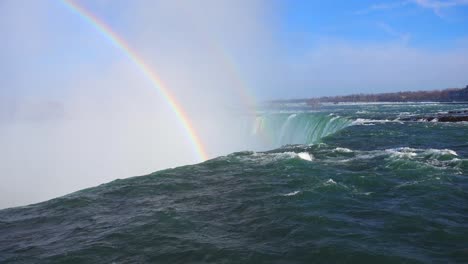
(402, 152)
(342, 150)
(291, 193)
(305, 156)
(443, 152)
(363, 121)
(330, 181)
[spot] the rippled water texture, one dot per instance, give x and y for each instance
(372, 190)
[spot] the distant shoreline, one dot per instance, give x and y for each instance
(446, 96)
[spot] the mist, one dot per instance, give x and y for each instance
(98, 118)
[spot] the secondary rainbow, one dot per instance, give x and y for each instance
(120, 43)
(228, 62)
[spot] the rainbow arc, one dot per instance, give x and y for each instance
(155, 80)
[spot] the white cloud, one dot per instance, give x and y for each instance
(438, 6)
(382, 7)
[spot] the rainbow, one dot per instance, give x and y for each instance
(155, 80)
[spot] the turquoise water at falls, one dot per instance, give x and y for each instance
(297, 128)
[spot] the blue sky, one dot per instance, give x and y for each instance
(421, 24)
(373, 46)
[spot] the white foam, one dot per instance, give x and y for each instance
(265, 158)
(367, 122)
(330, 181)
(402, 152)
(437, 158)
(362, 121)
(291, 193)
(342, 150)
(305, 156)
(443, 152)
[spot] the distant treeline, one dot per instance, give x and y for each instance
(447, 95)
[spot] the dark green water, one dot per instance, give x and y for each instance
(372, 192)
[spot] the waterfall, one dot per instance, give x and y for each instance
(301, 128)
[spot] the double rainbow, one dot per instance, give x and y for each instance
(155, 80)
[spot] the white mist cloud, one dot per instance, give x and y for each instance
(85, 120)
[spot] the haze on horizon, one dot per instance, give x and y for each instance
(76, 112)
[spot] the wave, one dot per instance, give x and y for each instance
(267, 158)
(222, 204)
(322, 153)
(305, 156)
(342, 150)
(364, 121)
(396, 157)
(299, 128)
(292, 193)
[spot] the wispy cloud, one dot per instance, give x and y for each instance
(403, 37)
(382, 7)
(438, 6)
